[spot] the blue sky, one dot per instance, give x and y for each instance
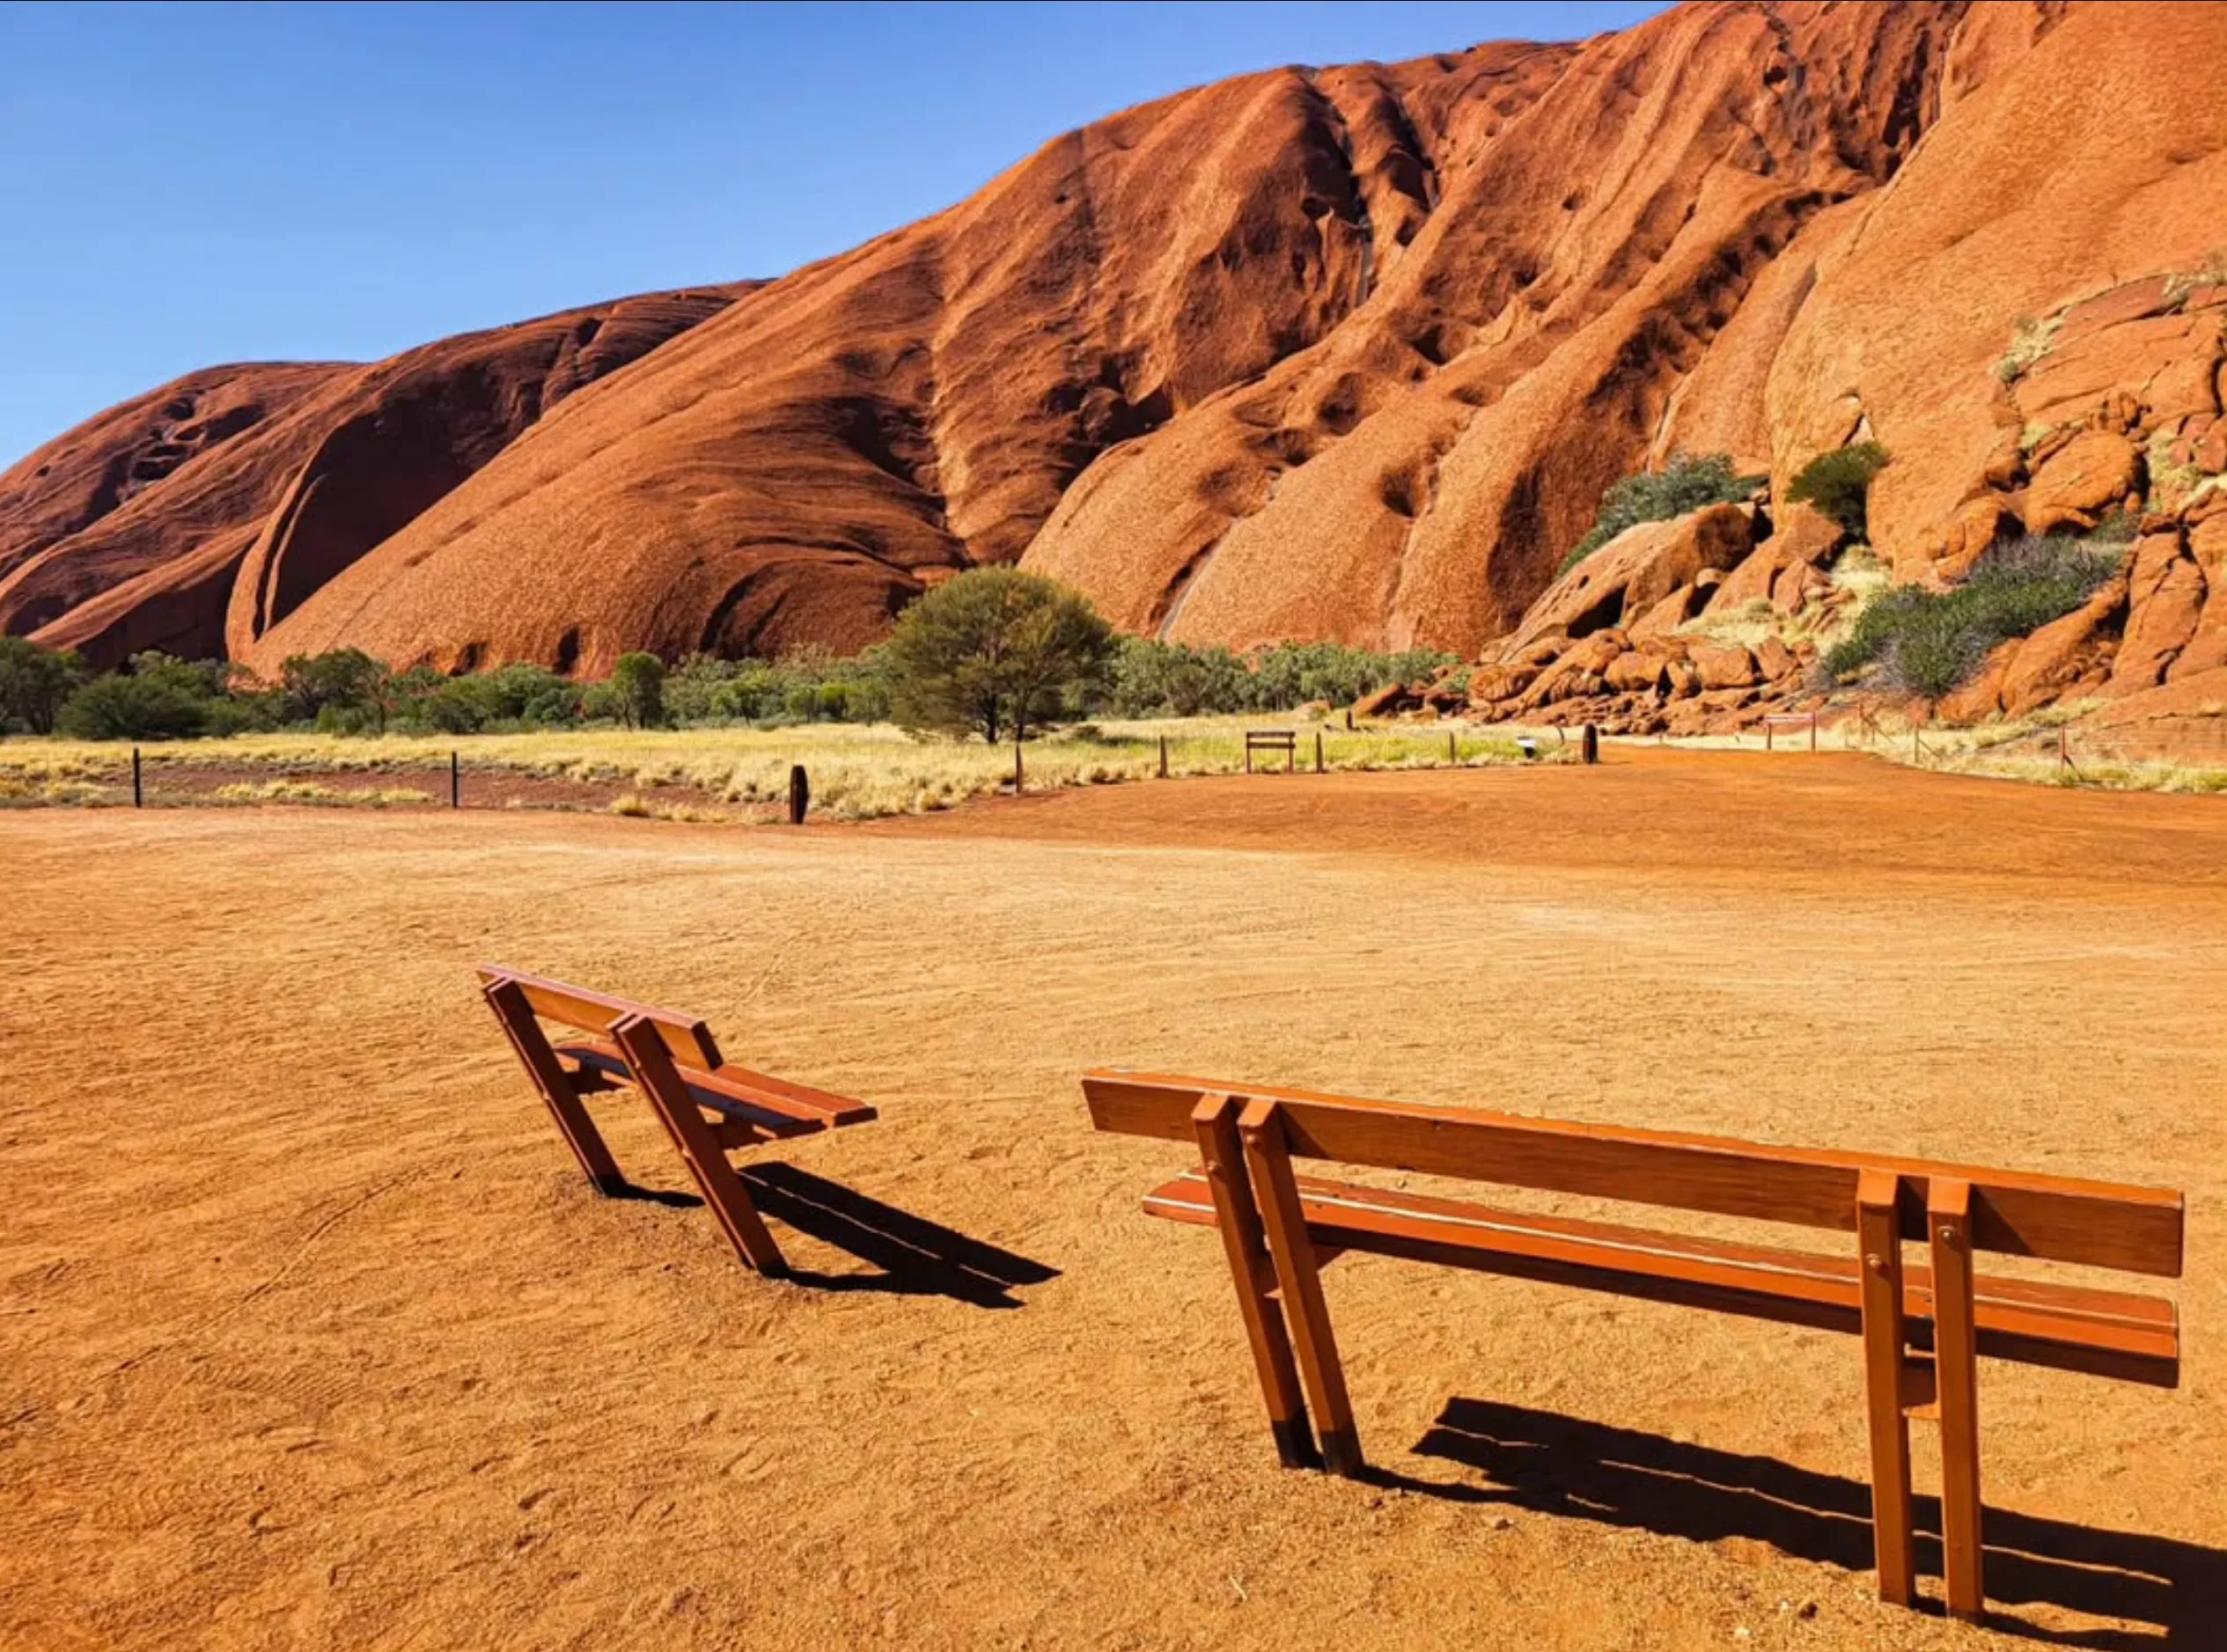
(181, 185)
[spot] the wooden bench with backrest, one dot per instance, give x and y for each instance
(706, 1106)
(1922, 1327)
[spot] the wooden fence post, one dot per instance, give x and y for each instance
(137, 801)
(799, 794)
(1017, 769)
(1453, 756)
(1318, 751)
(1163, 757)
(1813, 730)
(456, 781)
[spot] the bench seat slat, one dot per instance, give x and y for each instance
(771, 1108)
(2108, 1332)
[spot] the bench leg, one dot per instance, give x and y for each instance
(660, 1081)
(1268, 1160)
(1214, 1121)
(508, 999)
(1955, 1347)
(1879, 1246)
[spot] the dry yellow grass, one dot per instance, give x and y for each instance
(857, 771)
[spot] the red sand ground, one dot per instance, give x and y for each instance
(312, 1338)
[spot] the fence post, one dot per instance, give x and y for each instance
(799, 794)
(1163, 757)
(1453, 756)
(1348, 719)
(1017, 769)
(137, 801)
(1813, 730)
(1766, 734)
(1591, 748)
(456, 781)
(1318, 751)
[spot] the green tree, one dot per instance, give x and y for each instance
(35, 683)
(638, 681)
(348, 678)
(994, 650)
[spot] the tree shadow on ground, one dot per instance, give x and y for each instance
(1621, 1476)
(916, 1257)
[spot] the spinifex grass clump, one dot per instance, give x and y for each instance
(1926, 642)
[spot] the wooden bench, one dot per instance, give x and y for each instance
(707, 1107)
(1273, 741)
(1922, 1327)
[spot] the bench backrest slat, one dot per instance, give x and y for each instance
(2099, 1225)
(687, 1037)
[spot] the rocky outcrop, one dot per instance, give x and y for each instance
(1347, 353)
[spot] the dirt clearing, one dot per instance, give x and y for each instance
(312, 1337)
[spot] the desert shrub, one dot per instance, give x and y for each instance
(1928, 641)
(808, 685)
(35, 683)
(2030, 342)
(2120, 527)
(1689, 482)
(516, 694)
(1839, 483)
(136, 708)
(1154, 679)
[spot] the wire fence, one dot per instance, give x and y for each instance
(753, 775)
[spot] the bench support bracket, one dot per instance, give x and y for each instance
(558, 1093)
(1885, 1342)
(1268, 1158)
(1214, 1121)
(668, 1095)
(1955, 1346)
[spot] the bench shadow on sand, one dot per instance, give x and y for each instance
(1621, 1476)
(916, 1257)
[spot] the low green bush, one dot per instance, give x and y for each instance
(116, 707)
(1839, 483)
(1926, 643)
(1154, 679)
(1689, 482)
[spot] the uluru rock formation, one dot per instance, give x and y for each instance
(195, 517)
(1346, 353)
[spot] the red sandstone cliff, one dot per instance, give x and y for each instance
(1343, 353)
